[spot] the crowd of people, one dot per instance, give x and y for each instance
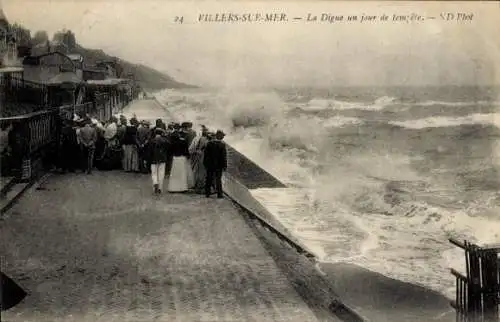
(191, 161)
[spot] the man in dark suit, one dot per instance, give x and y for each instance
(215, 162)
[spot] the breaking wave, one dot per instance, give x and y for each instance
(458, 104)
(446, 121)
(372, 204)
(317, 104)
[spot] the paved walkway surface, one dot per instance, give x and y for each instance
(103, 248)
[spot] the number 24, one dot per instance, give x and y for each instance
(179, 19)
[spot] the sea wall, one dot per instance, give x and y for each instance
(240, 194)
(248, 172)
(349, 292)
(293, 258)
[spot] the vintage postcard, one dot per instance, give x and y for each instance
(250, 160)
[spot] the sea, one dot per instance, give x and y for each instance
(380, 177)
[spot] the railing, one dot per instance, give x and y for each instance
(462, 290)
(33, 138)
(42, 130)
(29, 135)
(477, 292)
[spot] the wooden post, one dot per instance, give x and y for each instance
(474, 275)
(491, 285)
(25, 151)
(101, 109)
(108, 105)
(477, 294)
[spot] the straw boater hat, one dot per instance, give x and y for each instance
(76, 118)
(97, 124)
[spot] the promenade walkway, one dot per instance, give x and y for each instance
(101, 247)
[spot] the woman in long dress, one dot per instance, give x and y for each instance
(184, 135)
(112, 157)
(196, 150)
(130, 161)
(178, 179)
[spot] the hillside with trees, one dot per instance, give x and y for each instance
(66, 42)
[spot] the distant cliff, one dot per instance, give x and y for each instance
(147, 77)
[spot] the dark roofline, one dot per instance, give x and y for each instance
(93, 70)
(106, 62)
(37, 57)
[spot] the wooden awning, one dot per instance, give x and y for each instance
(107, 81)
(68, 78)
(8, 70)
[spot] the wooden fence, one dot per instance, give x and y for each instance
(32, 139)
(477, 292)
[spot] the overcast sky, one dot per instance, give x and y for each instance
(291, 53)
